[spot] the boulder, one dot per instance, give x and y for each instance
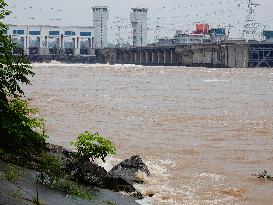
(120, 178)
(86, 173)
(128, 169)
(118, 184)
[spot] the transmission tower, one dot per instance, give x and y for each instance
(251, 26)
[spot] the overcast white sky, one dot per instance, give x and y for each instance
(170, 15)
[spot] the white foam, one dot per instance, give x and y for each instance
(214, 80)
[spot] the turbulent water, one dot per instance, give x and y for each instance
(202, 132)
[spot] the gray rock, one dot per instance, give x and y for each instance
(128, 168)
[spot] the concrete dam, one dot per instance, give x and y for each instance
(229, 54)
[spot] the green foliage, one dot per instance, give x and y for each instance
(107, 202)
(72, 188)
(36, 201)
(51, 168)
(19, 130)
(91, 146)
(52, 174)
(22, 131)
(14, 69)
(17, 194)
(12, 174)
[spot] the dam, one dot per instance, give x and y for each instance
(226, 54)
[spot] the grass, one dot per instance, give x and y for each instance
(17, 194)
(71, 188)
(109, 202)
(36, 201)
(12, 174)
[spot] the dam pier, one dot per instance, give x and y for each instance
(229, 54)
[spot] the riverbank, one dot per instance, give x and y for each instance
(22, 191)
(21, 178)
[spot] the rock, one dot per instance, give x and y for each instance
(86, 173)
(137, 195)
(92, 174)
(59, 151)
(118, 184)
(128, 169)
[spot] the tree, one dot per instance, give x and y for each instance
(92, 146)
(18, 127)
(14, 69)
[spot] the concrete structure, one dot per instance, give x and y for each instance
(181, 38)
(52, 40)
(139, 23)
(268, 35)
(100, 19)
(217, 35)
(226, 54)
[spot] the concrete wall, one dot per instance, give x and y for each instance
(237, 55)
(233, 55)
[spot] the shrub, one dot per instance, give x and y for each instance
(22, 133)
(72, 188)
(92, 146)
(18, 130)
(53, 175)
(12, 174)
(51, 168)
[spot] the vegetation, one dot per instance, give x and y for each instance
(19, 132)
(107, 202)
(92, 146)
(12, 174)
(72, 188)
(17, 194)
(51, 168)
(36, 201)
(53, 175)
(264, 175)
(22, 133)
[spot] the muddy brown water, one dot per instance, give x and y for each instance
(202, 132)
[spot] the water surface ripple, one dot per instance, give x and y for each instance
(202, 132)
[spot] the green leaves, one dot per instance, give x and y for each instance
(21, 131)
(92, 146)
(14, 69)
(51, 167)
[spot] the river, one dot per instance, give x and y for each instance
(202, 132)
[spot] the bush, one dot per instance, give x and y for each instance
(72, 188)
(22, 133)
(19, 131)
(53, 175)
(92, 146)
(12, 173)
(51, 168)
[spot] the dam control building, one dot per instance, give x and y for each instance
(62, 40)
(100, 19)
(52, 40)
(138, 19)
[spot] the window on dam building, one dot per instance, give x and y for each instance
(35, 33)
(85, 33)
(54, 33)
(18, 32)
(69, 33)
